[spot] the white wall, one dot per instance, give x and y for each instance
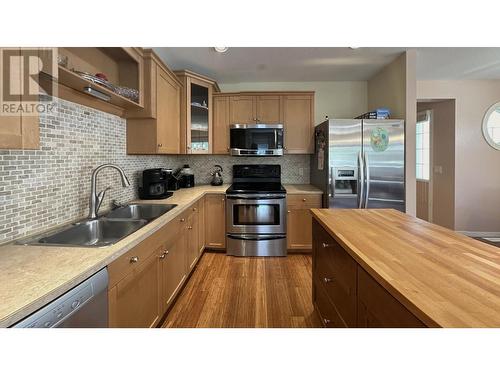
(477, 165)
(335, 99)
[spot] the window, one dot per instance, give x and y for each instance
(423, 145)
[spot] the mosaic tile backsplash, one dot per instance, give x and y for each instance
(40, 189)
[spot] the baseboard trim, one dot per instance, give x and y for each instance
(480, 234)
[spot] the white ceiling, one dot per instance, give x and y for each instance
(259, 64)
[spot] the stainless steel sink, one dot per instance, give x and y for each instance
(94, 233)
(140, 211)
(107, 230)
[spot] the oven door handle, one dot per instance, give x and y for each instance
(256, 237)
(256, 197)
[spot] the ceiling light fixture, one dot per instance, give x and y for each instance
(221, 49)
(353, 47)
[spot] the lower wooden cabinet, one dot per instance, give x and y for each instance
(345, 295)
(134, 302)
(215, 222)
(299, 221)
(144, 282)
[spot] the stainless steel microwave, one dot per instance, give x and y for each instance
(256, 139)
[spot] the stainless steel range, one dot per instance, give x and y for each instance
(256, 211)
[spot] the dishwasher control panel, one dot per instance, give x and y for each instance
(57, 311)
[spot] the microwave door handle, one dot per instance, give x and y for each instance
(361, 181)
(367, 167)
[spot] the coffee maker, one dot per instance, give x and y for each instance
(155, 183)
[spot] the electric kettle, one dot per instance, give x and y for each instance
(216, 176)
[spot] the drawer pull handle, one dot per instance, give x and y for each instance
(326, 321)
(304, 199)
(190, 227)
(164, 254)
(288, 211)
(134, 259)
(194, 208)
(183, 220)
(325, 245)
(327, 279)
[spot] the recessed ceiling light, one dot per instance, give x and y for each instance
(221, 49)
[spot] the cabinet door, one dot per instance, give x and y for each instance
(299, 233)
(192, 251)
(18, 131)
(173, 268)
(201, 224)
(221, 125)
(134, 302)
(242, 110)
(269, 109)
(215, 221)
(168, 113)
(298, 121)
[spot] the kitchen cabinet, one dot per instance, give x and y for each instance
(215, 221)
(196, 112)
(345, 295)
(295, 110)
(156, 129)
(299, 220)
(173, 260)
(298, 118)
(201, 225)
(256, 109)
(134, 302)
(221, 125)
(123, 67)
(19, 131)
(377, 308)
(193, 227)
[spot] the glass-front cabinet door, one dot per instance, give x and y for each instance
(196, 112)
(200, 117)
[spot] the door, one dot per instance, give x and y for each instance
(344, 174)
(135, 301)
(215, 221)
(242, 110)
(173, 268)
(269, 109)
(168, 96)
(221, 125)
(200, 206)
(298, 120)
(383, 154)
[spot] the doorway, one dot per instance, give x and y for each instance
(424, 164)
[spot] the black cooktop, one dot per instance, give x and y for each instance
(255, 187)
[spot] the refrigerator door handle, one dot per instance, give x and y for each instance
(332, 183)
(367, 173)
(361, 181)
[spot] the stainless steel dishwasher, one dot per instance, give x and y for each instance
(84, 306)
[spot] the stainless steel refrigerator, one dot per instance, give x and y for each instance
(360, 163)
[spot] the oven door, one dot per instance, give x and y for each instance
(255, 215)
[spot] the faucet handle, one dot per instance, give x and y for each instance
(100, 198)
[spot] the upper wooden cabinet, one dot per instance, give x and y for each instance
(221, 125)
(295, 110)
(196, 112)
(18, 131)
(156, 128)
(123, 66)
(298, 118)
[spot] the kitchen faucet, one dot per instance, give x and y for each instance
(97, 198)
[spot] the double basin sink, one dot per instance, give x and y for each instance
(106, 230)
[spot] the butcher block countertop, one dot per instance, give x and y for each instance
(32, 276)
(444, 278)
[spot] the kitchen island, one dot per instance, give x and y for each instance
(383, 268)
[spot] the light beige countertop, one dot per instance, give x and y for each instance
(302, 189)
(32, 276)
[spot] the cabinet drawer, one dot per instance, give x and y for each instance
(326, 310)
(336, 271)
(378, 308)
(303, 201)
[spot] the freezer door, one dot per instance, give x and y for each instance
(344, 148)
(384, 155)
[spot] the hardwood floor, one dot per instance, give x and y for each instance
(226, 292)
